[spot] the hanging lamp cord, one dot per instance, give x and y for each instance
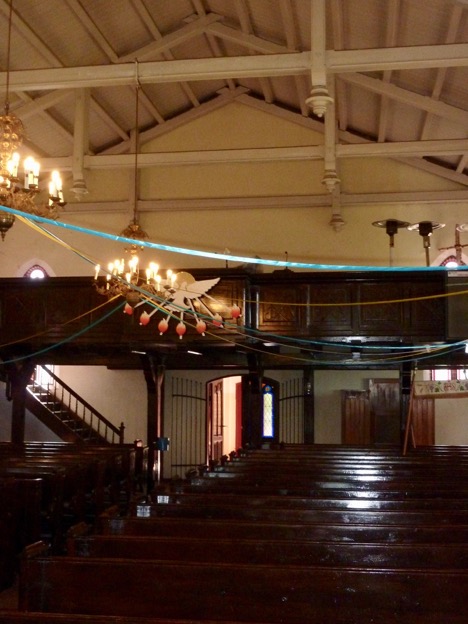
(137, 140)
(7, 86)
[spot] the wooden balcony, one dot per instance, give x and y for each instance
(63, 320)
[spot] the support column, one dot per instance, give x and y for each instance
(405, 385)
(154, 371)
(319, 96)
(80, 141)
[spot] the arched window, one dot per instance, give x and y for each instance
(268, 412)
(36, 272)
(452, 261)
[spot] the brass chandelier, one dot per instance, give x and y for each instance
(14, 192)
(124, 278)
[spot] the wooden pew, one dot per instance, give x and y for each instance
(219, 497)
(408, 517)
(326, 615)
(202, 528)
(271, 552)
(307, 486)
(286, 594)
(18, 617)
(317, 489)
(9, 513)
(78, 482)
(20, 504)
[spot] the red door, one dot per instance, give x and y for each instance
(215, 420)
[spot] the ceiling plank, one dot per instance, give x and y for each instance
(148, 21)
(247, 31)
(245, 39)
(393, 13)
(441, 74)
(92, 30)
(287, 18)
(181, 35)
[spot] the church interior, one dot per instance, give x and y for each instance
(233, 303)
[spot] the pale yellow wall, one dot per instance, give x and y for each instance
(328, 385)
(451, 421)
(303, 233)
(118, 395)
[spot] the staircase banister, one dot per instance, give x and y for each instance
(103, 419)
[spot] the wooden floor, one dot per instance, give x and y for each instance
(9, 599)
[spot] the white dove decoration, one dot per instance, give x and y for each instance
(178, 295)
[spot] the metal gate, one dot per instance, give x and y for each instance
(291, 420)
(186, 427)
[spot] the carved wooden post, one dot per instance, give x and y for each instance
(121, 433)
(252, 407)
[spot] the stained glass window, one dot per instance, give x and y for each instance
(268, 412)
(36, 272)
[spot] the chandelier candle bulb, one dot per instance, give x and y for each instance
(13, 165)
(97, 268)
(31, 173)
(57, 181)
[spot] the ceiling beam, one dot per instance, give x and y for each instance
(411, 98)
(439, 147)
(401, 58)
(445, 147)
(270, 65)
(418, 198)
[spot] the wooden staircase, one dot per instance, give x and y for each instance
(67, 414)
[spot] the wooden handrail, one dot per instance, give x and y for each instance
(105, 428)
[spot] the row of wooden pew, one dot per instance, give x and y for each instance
(291, 535)
(46, 487)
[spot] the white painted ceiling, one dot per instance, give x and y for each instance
(396, 70)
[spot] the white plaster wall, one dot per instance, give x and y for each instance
(120, 396)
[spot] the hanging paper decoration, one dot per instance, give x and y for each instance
(174, 295)
(235, 311)
(163, 326)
